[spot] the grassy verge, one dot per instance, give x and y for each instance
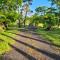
(4, 40)
(52, 36)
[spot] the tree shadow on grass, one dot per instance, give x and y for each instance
(1, 40)
(39, 40)
(23, 53)
(20, 51)
(49, 54)
(1, 57)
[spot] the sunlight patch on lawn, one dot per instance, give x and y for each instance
(4, 47)
(4, 40)
(52, 36)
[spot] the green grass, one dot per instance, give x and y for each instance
(52, 36)
(4, 47)
(4, 40)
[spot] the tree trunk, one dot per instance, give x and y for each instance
(5, 25)
(25, 19)
(48, 28)
(19, 23)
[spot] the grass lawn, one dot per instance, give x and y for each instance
(52, 36)
(4, 40)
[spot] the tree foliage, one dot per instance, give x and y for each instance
(8, 10)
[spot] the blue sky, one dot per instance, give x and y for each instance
(37, 3)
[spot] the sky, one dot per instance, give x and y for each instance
(37, 3)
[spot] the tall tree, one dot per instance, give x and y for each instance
(26, 4)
